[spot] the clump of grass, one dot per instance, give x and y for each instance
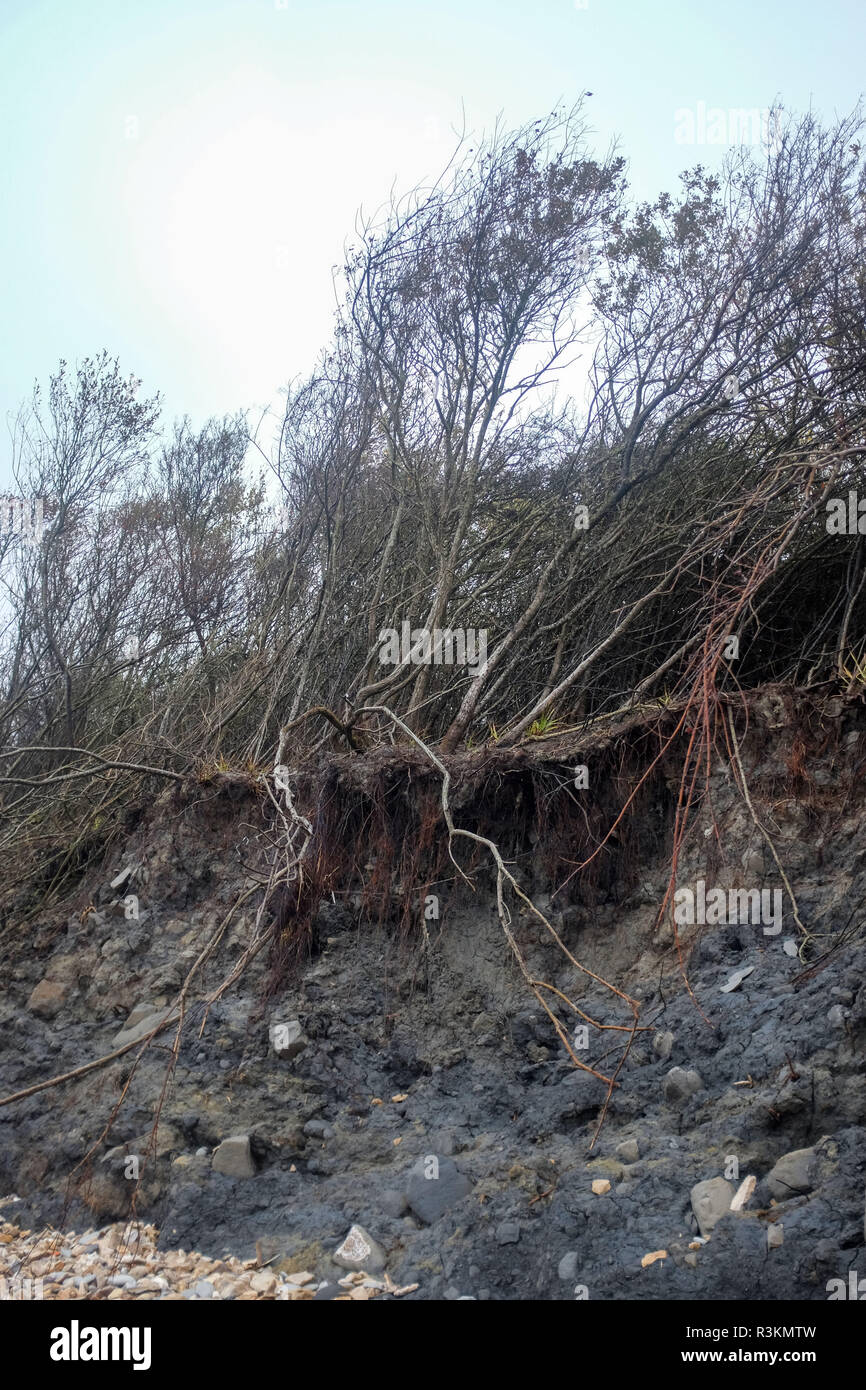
(544, 724)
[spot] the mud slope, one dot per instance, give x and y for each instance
(420, 1091)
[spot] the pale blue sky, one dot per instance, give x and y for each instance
(179, 176)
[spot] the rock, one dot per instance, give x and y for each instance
(710, 1201)
(287, 1039)
(47, 998)
(233, 1157)
(628, 1151)
(567, 1267)
(508, 1232)
(836, 1016)
(600, 1186)
(484, 1024)
(142, 1027)
(66, 969)
(434, 1186)
(663, 1045)
(736, 979)
(790, 947)
(263, 1281)
(680, 1084)
(393, 1203)
(775, 1237)
(360, 1251)
(204, 1289)
(793, 1172)
(318, 1129)
(168, 1140)
(140, 1011)
(744, 1192)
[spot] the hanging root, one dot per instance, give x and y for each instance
(503, 875)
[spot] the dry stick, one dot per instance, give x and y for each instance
(807, 936)
(504, 916)
(86, 772)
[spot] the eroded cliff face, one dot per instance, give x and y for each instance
(405, 1078)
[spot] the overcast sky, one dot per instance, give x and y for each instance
(179, 176)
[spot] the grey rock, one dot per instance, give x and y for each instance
(204, 1289)
(710, 1200)
(144, 1025)
(628, 1151)
(793, 1172)
(663, 1045)
(680, 1084)
(318, 1129)
(360, 1251)
(233, 1157)
(735, 980)
(393, 1203)
(567, 1267)
(143, 1010)
(429, 1197)
(837, 1015)
(508, 1232)
(287, 1038)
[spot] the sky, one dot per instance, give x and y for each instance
(179, 178)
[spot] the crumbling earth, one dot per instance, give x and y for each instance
(413, 1087)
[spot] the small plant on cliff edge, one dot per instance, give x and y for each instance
(544, 724)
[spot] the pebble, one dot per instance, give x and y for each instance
(83, 1267)
(508, 1233)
